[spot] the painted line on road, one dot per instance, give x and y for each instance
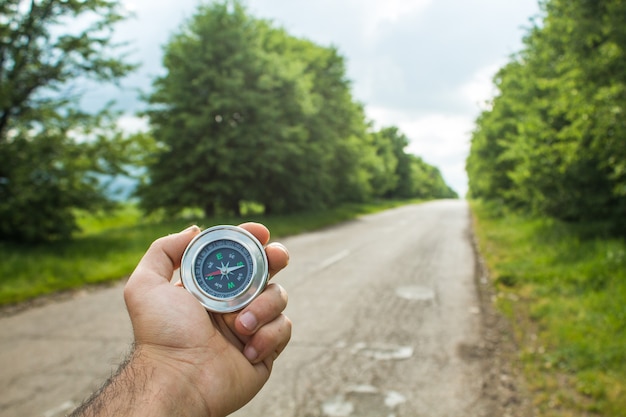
(333, 260)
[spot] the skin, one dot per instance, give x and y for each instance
(185, 361)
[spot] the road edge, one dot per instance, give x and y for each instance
(503, 384)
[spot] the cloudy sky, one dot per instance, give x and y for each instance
(422, 65)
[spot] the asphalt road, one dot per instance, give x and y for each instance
(387, 322)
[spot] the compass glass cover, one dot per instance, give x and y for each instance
(223, 269)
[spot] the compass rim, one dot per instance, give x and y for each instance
(259, 274)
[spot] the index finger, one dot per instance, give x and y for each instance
(277, 254)
(258, 230)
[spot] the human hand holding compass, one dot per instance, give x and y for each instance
(187, 361)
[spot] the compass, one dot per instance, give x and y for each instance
(225, 268)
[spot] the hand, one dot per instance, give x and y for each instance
(187, 361)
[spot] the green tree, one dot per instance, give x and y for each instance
(330, 164)
(248, 112)
(559, 173)
(492, 155)
(553, 140)
(385, 174)
(214, 112)
(50, 152)
(397, 143)
(427, 181)
(411, 177)
(200, 97)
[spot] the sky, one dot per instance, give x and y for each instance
(424, 66)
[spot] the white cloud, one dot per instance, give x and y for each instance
(133, 124)
(480, 89)
(381, 75)
(443, 139)
(390, 10)
(129, 6)
(375, 12)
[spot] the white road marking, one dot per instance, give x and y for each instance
(333, 260)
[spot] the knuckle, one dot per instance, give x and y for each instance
(280, 292)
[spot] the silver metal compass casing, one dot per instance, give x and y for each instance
(253, 258)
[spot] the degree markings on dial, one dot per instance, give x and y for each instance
(227, 267)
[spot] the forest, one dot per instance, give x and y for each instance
(245, 113)
(553, 142)
(547, 181)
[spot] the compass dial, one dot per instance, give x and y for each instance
(225, 268)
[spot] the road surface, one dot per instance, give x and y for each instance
(387, 322)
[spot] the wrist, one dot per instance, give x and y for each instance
(170, 388)
(145, 385)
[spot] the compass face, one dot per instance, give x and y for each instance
(225, 268)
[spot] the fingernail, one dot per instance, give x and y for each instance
(190, 228)
(248, 320)
(282, 247)
(250, 353)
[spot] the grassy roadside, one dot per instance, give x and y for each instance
(110, 245)
(565, 295)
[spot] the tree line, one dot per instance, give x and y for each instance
(553, 141)
(245, 112)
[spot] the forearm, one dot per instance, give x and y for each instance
(139, 388)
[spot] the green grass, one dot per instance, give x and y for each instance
(110, 245)
(565, 293)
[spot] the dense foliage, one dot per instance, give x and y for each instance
(247, 112)
(51, 153)
(554, 140)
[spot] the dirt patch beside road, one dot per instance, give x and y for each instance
(503, 385)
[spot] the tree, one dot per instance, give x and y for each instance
(385, 174)
(397, 143)
(427, 181)
(212, 71)
(410, 177)
(50, 152)
(492, 157)
(248, 112)
(553, 140)
(339, 152)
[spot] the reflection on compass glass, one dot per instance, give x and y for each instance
(223, 269)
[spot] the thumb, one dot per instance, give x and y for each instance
(162, 258)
